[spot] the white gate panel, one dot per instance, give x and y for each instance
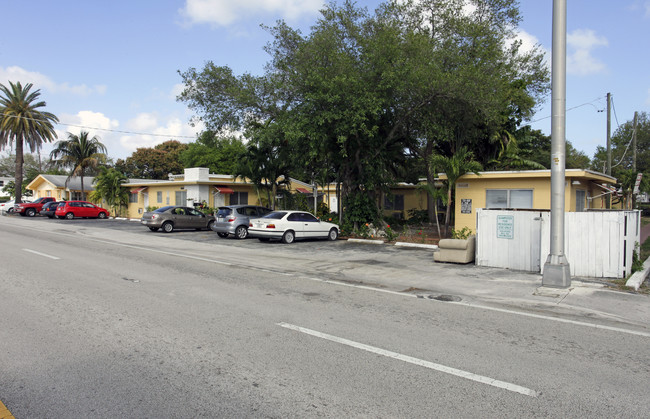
(597, 244)
(519, 250)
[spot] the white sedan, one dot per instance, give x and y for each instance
(291, 225)
(8, 207)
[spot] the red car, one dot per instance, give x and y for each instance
(79, 209)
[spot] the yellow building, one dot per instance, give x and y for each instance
(60, 187)
(198, 186)
(526, 189)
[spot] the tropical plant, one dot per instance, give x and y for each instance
(80, 154)
(109, 188)
(436, 194)
(22, 121)
(461, 163)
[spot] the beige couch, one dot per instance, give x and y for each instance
(456, 250)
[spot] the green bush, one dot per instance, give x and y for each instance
(417, 216)
(462, 234)
(150, 209)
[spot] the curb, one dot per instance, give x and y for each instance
(433, 247)
(638, 277)
(366, 241)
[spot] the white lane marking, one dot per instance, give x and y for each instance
(364, 287)
(555, 319)
(415, 361)
(41, 254)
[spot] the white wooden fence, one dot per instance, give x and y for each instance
(598, 244)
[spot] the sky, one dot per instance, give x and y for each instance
(111, 67)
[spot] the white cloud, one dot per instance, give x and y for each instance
(156, 131)
(580, 60)
(226, 12)
(41, 81)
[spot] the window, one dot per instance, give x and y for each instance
(394, 202)
(239, 198)
(509, 198)
(159, 197)
(181, 197)
(2, 183)
(133, 198)
(580, 200)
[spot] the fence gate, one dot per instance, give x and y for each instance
(509, 239)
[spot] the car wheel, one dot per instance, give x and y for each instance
(153, 228)
(333, 234)
(288, 237)
(263, 239)
(69, 216)
(222, 235)
(10, 210)
(210, 224)
(168, 227)
(241, 232)
(50, 216)
(101, 215)
(30, 212)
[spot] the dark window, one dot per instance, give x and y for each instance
(394, 202)
(294, 217)
(133, 198)
(277, 215)
(304, 216)
(239, 198)
(224, 212)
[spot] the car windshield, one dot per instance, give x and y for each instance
(163, 209)
(275, 215)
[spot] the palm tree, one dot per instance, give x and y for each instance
(79, 153)
(108, 187)
(22, 122)
(461, 163)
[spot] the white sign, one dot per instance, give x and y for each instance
(637, 183)
(505, 226)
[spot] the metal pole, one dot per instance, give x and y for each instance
(634, 143)
(557, 272)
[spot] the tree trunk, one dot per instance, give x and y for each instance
(448, 213)
(431, 179)
(18, 181)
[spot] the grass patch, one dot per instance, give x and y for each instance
(645, 221)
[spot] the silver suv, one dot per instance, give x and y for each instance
(234, 219)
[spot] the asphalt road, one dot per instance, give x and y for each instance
(107, 319)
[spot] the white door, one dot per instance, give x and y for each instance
(219, 200)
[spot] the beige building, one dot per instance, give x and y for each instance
(60, 186)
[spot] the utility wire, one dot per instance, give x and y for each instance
(106, 129)
(570, 109)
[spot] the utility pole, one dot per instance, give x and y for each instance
(634, 143)
(557, 273)
(608, 199)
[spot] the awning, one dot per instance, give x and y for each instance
(223, 189)
(303, 190)
(138, 190)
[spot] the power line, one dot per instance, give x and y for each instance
(107, 129)
(575, 107)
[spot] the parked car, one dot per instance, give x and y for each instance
(30, 209)
(291, 225)
(8, 207)
(79, 209)
(49, 209)
(176, 217)
(234, 219)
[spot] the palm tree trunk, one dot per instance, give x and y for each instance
(18, 181)
(448, 213)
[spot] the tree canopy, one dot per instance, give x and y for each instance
(365, 99)
(153, 163)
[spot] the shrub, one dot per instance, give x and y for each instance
(462, 234)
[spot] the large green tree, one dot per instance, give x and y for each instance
(23, 122)
(363, 95)
(220, 154)
(81, 154)
(153, 163)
